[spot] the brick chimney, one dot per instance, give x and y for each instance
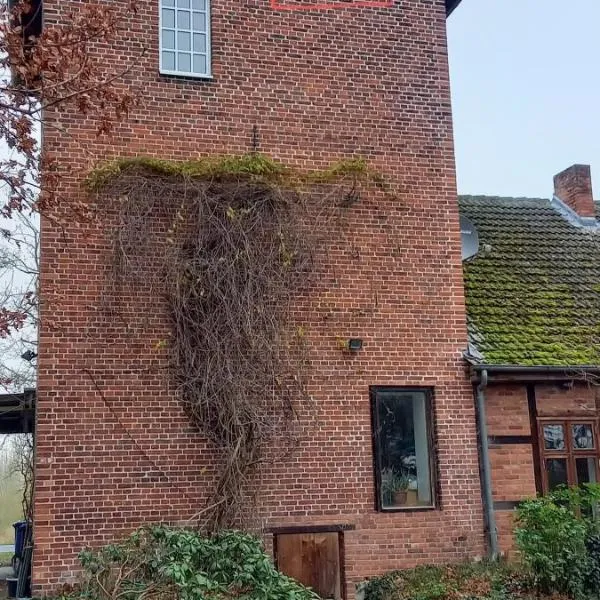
(574, 187)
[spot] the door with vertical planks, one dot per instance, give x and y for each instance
(313, 559)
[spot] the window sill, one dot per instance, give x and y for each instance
(383, 511)
(186, 76)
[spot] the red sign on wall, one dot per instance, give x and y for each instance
(328, 4)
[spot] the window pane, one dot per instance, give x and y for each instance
(168, 18)
(168, 2)
(183, 19)
(184, 62)
(554, 437)
(184, 40)
(199, 22)
(199, 4)
(586, 470)
(199, 42)
(199, 63)
(403, 445)
(556, 469)
(183, 3)
(583, 436)
(168, 61)
(168, 39)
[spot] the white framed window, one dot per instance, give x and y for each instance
(185, 37)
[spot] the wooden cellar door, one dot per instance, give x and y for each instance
(313, 559)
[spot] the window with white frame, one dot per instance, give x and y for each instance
(185, 37)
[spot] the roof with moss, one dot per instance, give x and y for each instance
(533, 290)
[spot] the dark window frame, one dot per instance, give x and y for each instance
(431, 446)
(569, 452)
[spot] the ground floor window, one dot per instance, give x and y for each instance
(403, 448)
(569, 451)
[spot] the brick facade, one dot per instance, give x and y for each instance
(514, 448)
(114, 449)
(574, 187)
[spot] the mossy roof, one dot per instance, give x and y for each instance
(533, 290)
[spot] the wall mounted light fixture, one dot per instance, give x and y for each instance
(355, 344)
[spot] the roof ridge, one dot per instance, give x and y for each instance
(492, 197)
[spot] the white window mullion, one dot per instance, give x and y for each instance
(185, 37)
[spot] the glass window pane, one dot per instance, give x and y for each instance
(199, 22)
(199, 4)
(586, 470)
(184, 40)
(168, 61)
(556, 469)
(183, 19)
(168, 2)
(168, 18)
(168, 39)
(583, 436)
(183, 3)
(403, 444)
(199, 42)
(200, 63)
(184, 62)
(554, 437)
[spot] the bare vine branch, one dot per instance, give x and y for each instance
(237, 253)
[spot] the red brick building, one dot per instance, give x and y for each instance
(319, 82)
(532, 294)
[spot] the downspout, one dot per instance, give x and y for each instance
(488, 501)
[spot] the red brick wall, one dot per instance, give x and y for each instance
(506, 410)
(578, 400)
(512, 464)
(513, 475)
(512, 467)
(114, 448)
(512, 471)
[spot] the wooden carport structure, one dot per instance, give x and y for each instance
(17, 412)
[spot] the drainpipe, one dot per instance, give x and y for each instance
(488, 501)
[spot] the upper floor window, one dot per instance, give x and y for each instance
(185, 37)
(402, 436)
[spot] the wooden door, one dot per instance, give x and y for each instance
(313, 559)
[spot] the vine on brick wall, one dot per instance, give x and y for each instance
(244, 238)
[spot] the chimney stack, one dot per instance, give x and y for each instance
(574, 187)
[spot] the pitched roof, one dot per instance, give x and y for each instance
(533, 290)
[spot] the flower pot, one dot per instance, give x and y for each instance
(412, 498)
(399, 497)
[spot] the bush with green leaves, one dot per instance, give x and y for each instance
(557, 536)
(160, 562)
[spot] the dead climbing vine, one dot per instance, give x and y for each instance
(242, 239)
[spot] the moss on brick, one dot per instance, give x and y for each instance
(259, 167)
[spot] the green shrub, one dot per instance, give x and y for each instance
(593, 548)
(468, 581)
(165, 562)
(556, 536)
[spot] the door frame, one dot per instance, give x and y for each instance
(340, 529)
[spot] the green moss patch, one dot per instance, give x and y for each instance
(533, 291)
(253, 166)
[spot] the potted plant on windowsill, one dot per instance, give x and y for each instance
(394, 486)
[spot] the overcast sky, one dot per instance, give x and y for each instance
(526, 93)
